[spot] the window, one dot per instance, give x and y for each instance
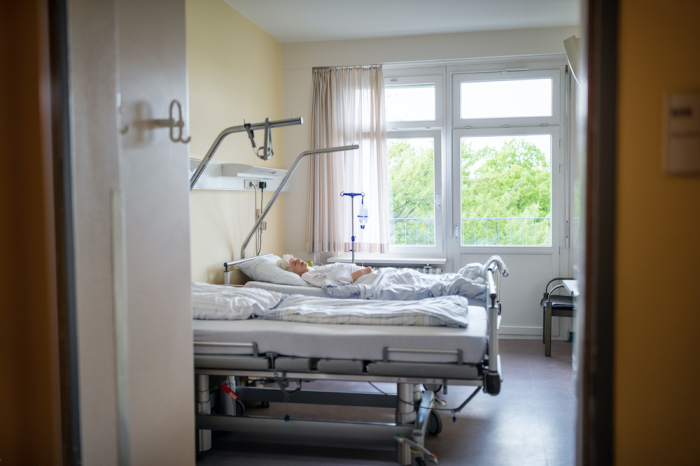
(507, 98)
(506, 189)
(503, 157)
(411, 164)
(413, 111)
(413, 102)
(410, 102)
(498, 187)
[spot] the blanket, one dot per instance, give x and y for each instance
(408, 284)
(216, 302)
(447, 311)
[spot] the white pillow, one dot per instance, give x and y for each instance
(265, 269)
(219, 302)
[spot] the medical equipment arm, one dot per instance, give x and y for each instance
(284, 182)
(266, 125)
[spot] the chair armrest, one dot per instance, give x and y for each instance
(546, 288)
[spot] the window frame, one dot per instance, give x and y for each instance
(443, 73)
(438, 197)
(458, 78)
(437, 80)
(555, 188)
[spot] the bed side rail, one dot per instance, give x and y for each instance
(227, 272)
(492, 377)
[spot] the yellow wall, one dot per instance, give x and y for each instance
(657, 412)
(235, 73)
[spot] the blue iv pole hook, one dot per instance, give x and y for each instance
(352, 214)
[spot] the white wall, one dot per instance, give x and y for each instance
(300, 57)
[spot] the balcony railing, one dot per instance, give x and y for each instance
(491, 231)
(499, 231)
(412, 231)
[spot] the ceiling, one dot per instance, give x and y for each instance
(320, 20)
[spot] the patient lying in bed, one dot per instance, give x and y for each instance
(317, 276)
(351, 281)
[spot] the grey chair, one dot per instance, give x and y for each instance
(553, 306)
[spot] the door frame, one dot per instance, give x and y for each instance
(599, 80)
(64, 232)
(596, 418)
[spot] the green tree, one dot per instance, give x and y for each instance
(411, 179)
(512, 181)
(411, 167)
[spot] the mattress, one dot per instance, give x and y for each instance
(363, 342)
(290, 289)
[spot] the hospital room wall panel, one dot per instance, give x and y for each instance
(657, 370)
(299, 58)
(235, 73)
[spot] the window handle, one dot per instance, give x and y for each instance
(456, 230)
(438, 204)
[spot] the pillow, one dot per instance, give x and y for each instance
(220, 302)
(265, 269)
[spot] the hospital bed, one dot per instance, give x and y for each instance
(291, 353)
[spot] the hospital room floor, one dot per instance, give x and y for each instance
(532, 421)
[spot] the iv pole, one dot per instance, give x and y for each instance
(352, 216)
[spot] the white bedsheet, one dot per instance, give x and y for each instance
(450, 311)
(365, 342)
(306, 290)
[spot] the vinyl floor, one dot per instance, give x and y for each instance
(531, 422)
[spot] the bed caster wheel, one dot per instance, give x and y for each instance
(434, 423)
(240, 408)
(420, 462)
(264, 404)
(433, 387)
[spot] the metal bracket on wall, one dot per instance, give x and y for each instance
(172, 123)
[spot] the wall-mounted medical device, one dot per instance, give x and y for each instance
(236, 176)
(248, 128)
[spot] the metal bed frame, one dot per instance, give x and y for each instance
(411, 406)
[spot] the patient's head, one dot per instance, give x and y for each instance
(293, 264)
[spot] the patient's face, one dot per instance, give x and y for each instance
(298, 266)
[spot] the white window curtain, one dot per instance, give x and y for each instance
(348, 108)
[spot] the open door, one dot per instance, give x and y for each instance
(154, 329)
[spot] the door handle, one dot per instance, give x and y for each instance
(456, 230)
